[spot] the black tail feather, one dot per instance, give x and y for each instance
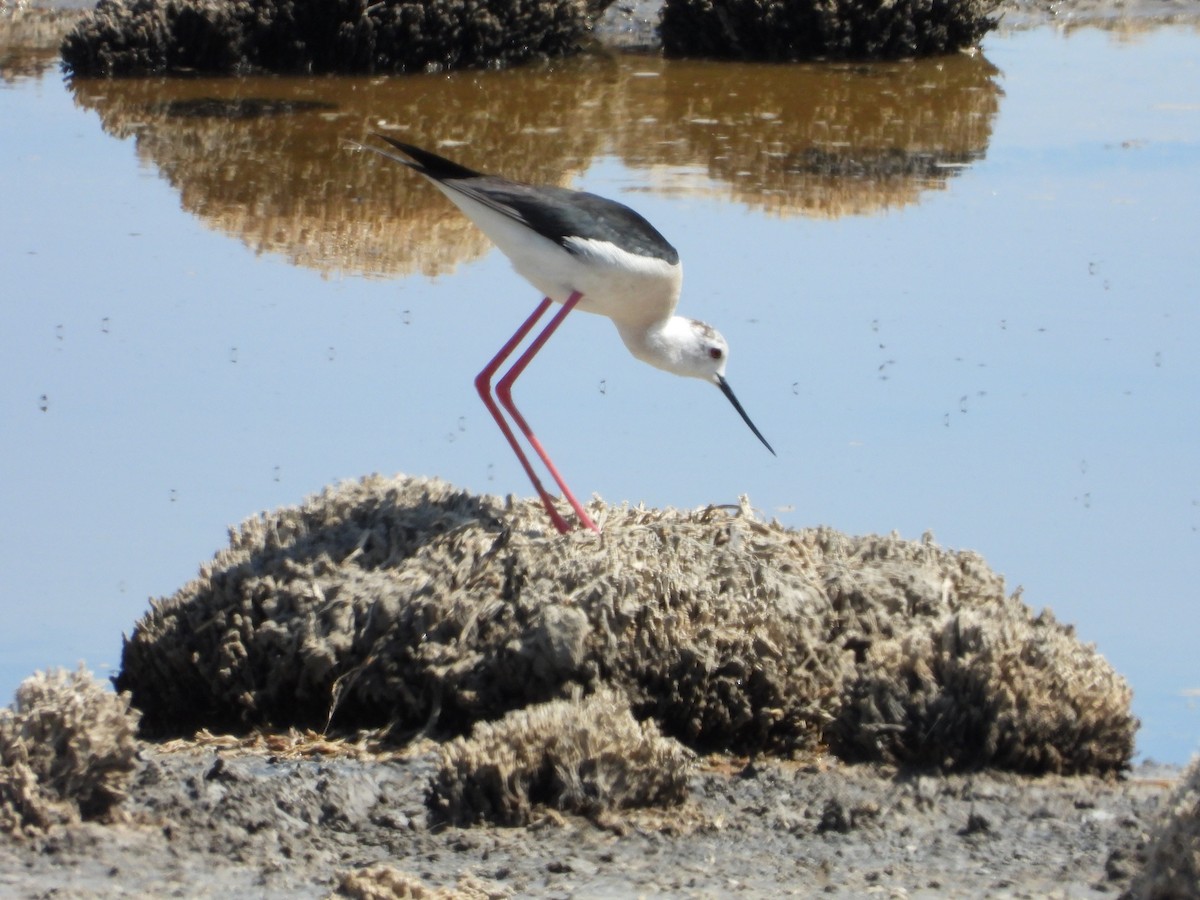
(430, 164)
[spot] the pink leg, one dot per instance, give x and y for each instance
(483, 384)
(504, 392)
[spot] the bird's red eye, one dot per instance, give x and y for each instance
(715, 352)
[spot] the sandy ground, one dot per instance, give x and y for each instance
(218, 819)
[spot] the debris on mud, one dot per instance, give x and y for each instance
(384, 882)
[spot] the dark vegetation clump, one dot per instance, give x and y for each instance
(589, 756)
(789, 30)
(139, 37)
(68, 751)
(407, 603)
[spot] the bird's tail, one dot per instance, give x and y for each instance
(430, 164)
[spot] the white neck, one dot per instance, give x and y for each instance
(669, 344)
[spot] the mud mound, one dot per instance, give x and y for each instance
(588, 756)
(1172, 867)
(410, 603)
(136, 37)
(67, 751)
(786, 30)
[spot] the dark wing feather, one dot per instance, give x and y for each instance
(556, 213)
(559, 214)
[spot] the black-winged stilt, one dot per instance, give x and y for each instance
(588, 253)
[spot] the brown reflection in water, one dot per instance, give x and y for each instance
(266, 159)
(815, 139)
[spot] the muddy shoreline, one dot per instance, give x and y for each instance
(224, 817)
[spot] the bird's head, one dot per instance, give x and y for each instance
(692, 349)
(702, 350)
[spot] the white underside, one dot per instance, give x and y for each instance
(631, 290)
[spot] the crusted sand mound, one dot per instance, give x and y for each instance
(589, 756)
(404, 601)
(1172, 867)
(68, 751)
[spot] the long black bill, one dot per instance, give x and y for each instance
(728, 392)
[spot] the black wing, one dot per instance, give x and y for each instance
(556, 213)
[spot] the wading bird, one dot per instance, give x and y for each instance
(587, 253)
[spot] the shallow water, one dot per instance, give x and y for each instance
(961, 296)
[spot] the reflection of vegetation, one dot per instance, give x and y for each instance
(788, 30)
(29, 39)
(286, 183)
(815, 139)
(127, 37)
(235, 107)
(266, 159)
